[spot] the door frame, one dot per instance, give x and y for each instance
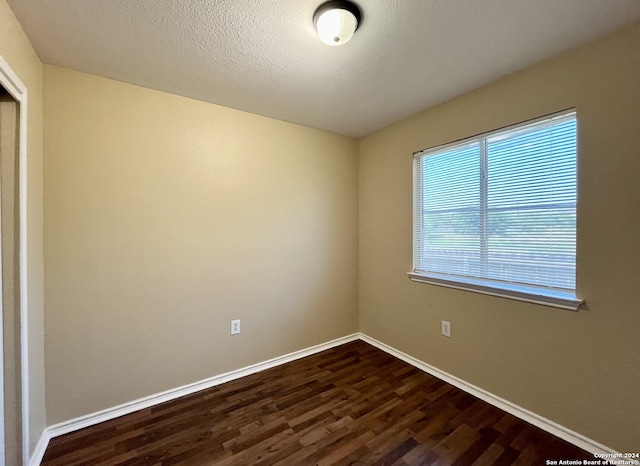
(10, 81)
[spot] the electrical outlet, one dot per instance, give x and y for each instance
(446, 328)
(235, 327)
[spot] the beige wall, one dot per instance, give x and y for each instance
(16, 49)
(580, 369)
(165, 218)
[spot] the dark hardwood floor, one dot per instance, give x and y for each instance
(353, 404)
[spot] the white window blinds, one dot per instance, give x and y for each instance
(499, 210)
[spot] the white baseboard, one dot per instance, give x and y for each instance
(532, 418)
(153, 400)
(88, 420)
(41, 447)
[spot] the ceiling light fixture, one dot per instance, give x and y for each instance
(336, 21)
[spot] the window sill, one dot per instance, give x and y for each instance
(551, 298)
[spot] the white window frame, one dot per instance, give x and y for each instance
(533, 294)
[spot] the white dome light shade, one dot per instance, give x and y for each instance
(336, 22)
(336, 27)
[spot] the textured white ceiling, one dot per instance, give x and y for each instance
(263, 56)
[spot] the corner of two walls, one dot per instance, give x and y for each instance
(166, 218)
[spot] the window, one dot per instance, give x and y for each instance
(496, 213)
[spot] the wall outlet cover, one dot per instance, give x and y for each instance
(446, 328)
